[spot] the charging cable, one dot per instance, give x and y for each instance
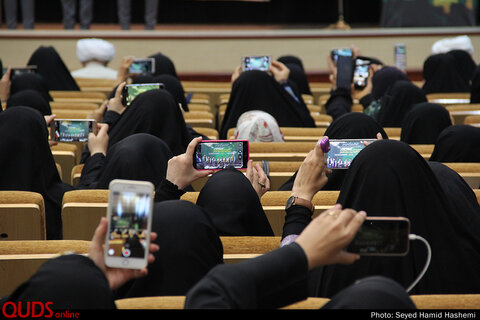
(427, 263)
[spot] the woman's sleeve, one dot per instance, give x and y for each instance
(296, 219)
(272, 280)
(339, 103)
(91, 171)
(167, 191)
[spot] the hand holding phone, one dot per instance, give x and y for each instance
(131, 91)
(143, 65)
(343, 151)
(344, 72)
(116, 277)
(98, 143)
(129, 215)
(312, 174)
(180, 169)
(382, 236)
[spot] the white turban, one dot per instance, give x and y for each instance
(258, 126)
(449, 44)
(94, 49)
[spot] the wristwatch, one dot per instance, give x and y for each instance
(294, 201)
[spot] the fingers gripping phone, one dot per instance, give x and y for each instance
(382, 236)
(72, 130)
(221, 154)
(262, 63)
(129, 215)
(343, 151)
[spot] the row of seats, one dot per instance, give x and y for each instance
(20, 259)
(22, 214)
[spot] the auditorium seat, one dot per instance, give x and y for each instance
(470, 172)
(73, 106)
(460, 112)
(105, 86)
(78, 96)
(449, 98)
(208, 132)
(22, 216)
(72, 114)
(76, 174)
(81, 213)
(200, 119)
(472, 121)
(20, 259)
(273, 203)
(422, 302)
(67, 156)
(199, 107)
(393, 133)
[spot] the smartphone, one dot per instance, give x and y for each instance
(335, 53)
(72, 130)
(19, 71)
(129, 215)
(343, 151)
(221, 154)
(344, 72)
(361, 73)
(144, 65)
(262, 63)
(401, 56)
(382, 236)
(131, 91)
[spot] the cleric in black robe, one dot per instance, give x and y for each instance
(389, 178)
(140, 156)
(30, 98)
(27, 164)
(442, 75)
(423, 124)
(51, 66)
(233, 205)
(189, 248)
(398, 101)
(353, 125)
(258, 90)
(457, 143)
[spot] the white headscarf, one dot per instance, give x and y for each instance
(258, 126)
(94, 49)
(449, 44)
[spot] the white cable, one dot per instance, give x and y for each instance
(427, 263)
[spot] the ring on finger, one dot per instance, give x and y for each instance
(262, 184)
(332, 213)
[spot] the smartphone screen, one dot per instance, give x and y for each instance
(71, 130)
(401, 56)
(344, 72)
(220, 154)
(140, 66)
(346, 52)
(129, 224)
(382, 236)
(342, 152)
(361, 73)
(131, 91)
(262, 63)
(19, 71)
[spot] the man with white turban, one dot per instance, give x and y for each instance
(94, 55)
(457, 43)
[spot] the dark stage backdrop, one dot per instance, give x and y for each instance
(297, 12)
